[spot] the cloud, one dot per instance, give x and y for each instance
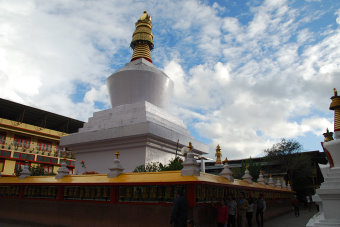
(242, 79)
(273, 84)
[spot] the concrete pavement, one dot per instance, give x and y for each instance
(289, 219)
(286, 220)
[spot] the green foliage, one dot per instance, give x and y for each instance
(37, 170)
(17, 171)
(174, 164)
(237, 172)
(283, 150)
(300, 173)
(254, 169)
(297, 166)
(149, 167)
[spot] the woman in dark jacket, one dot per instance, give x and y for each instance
(179, 214)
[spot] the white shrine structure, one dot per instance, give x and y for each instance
(328, 195)
(138, 124)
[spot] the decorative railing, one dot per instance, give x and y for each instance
(90, 193)
(148, 193)
(196, 194)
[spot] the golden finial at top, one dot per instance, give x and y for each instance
(246, 167)
(270, 175)
(144, 16)
(335, 92)
(117, 154)
(218, 155)
(260, 171)
(328, 135)
(226, 160)
(142, 38)
(190, 146)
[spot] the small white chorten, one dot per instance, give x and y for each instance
(226, 172)
(247, 177)
(260, 180)
(270, 181)
(190, 165)
(278, 183)
(117, 168)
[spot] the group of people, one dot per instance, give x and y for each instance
(240, 213)
(231, 213)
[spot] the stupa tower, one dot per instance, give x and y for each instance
(335, 105)
(142, 38)
(140, 80)
(138, 123)
(328, 195)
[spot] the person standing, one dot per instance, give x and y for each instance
(309, 202)
(232, 211)
(250, 211)
(222, 214)
(242, 210)
(260, 208)
(295, 203)
(179, 212)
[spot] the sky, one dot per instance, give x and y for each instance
(246, 73)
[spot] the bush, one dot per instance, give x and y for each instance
(174, 164)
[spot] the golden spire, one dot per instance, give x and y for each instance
(190, 146)
(117, 154)
(226, 160)
(335, 105)
(247, 167)
(142, 38)
(218, 155)
(328, 135)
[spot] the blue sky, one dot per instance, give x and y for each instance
(246, 73)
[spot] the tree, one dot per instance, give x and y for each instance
(174, 164)
(149, 167)
(297, 166)
(37, 170)
(254, 169)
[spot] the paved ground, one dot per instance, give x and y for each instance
(286, 220)
(289, 219)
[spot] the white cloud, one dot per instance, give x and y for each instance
(242, 85)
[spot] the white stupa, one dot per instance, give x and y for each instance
(138, 125)
(260, 180)
(226, 172)
(247, 177)
(328, 195)
(270, 180)
(278, 183)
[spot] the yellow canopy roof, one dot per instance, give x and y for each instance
(134, 178)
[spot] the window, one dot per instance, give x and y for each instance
(2, 164)
(22, 141)
(21, 164)
(47, 159)
(48, 169)
(23, 156)
(6, 154)
(44, 146)
(2, 138)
